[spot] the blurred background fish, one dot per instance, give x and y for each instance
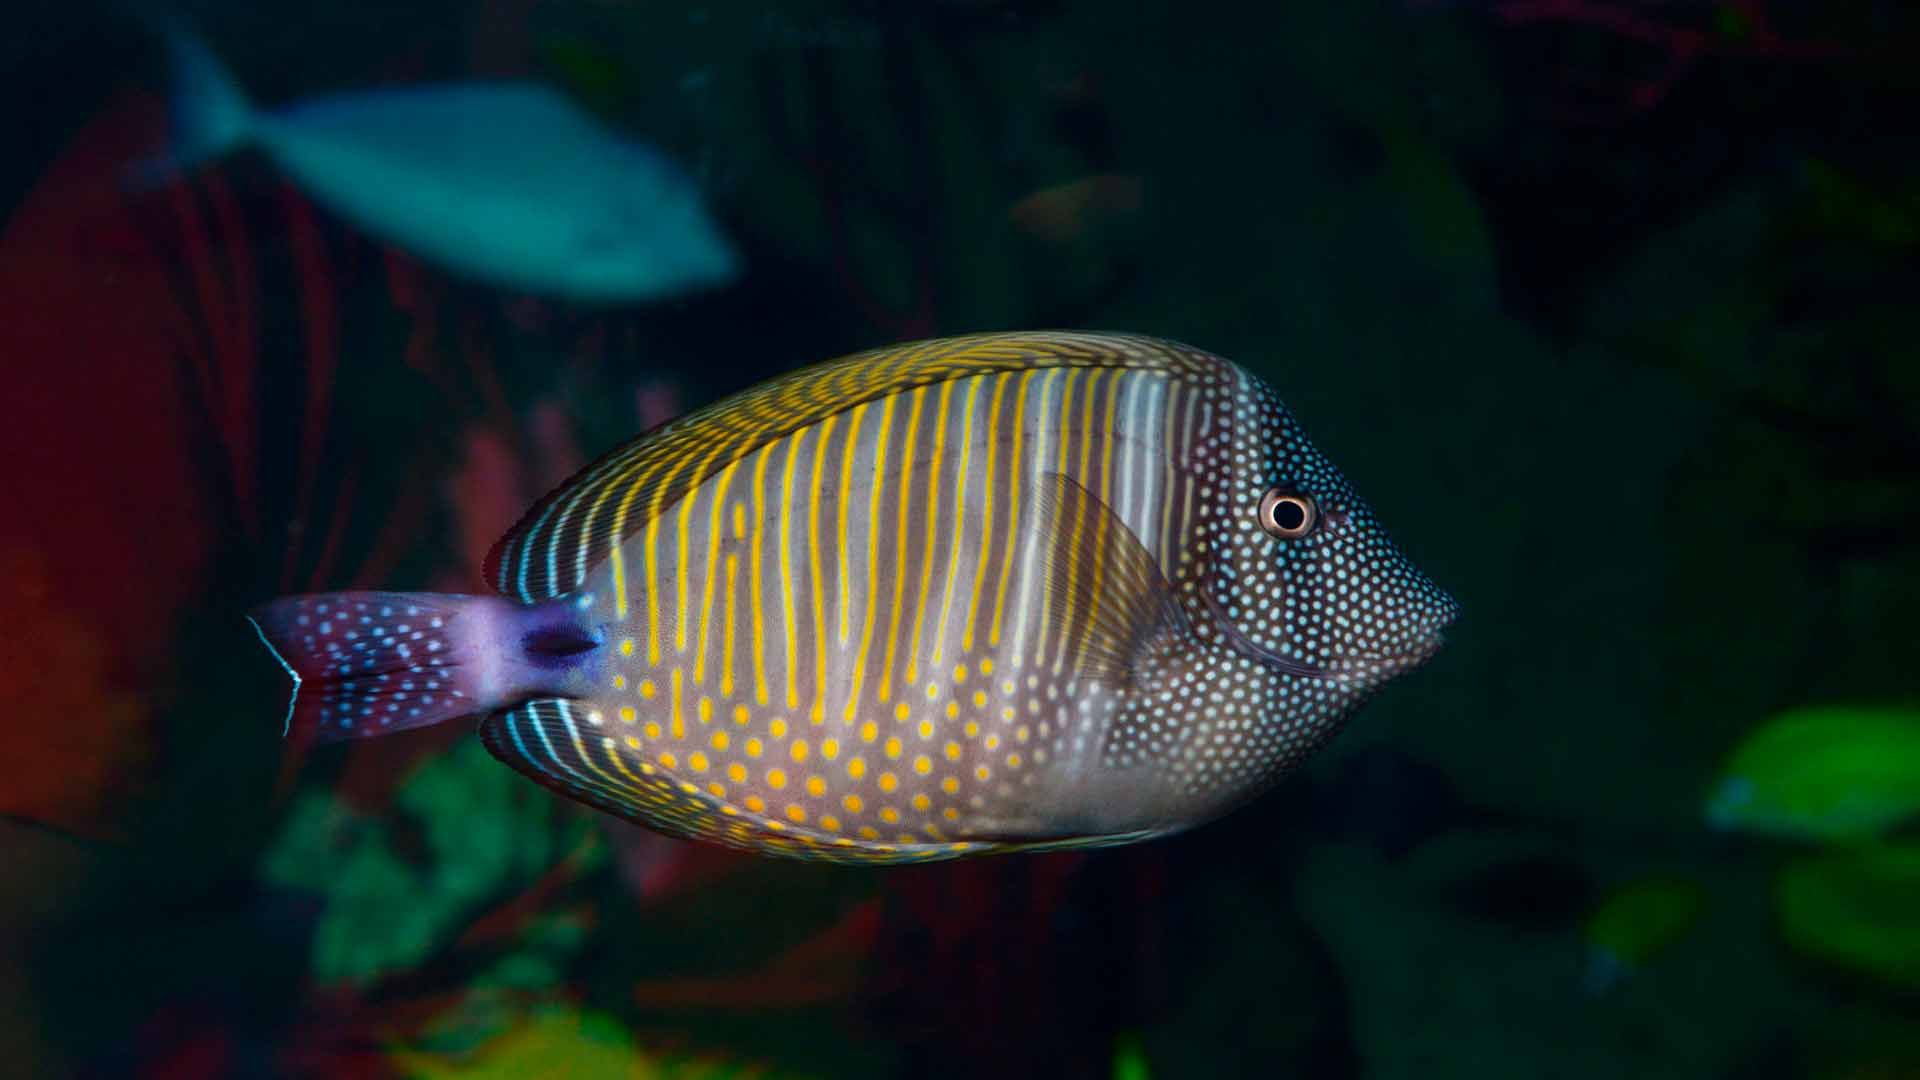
(508, 183)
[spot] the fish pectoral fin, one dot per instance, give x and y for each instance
(1108, 605)
(573, 749)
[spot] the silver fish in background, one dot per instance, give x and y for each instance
(986, 593)
(508, 183)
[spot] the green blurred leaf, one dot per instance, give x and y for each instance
(1856, 909)
(485, 831)
(1830, 772)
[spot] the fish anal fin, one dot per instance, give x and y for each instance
(573, 749)
(1108, 605)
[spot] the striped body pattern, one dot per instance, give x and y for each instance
(967, 595)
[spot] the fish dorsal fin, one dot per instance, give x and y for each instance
(558, 542)
(1106, 603)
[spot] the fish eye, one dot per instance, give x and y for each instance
(1287, 515)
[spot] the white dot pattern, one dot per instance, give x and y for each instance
(381, 660)
(1212, 719)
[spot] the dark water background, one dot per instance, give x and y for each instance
(1608, 308)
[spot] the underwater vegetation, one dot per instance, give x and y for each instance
(1853, 909)
(1829, 773)
(1846, 777)
(565, 1042)
(386, 910)
(1635, 922)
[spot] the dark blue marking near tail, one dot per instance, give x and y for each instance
(554, 635)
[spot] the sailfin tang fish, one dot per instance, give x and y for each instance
(1005, 591)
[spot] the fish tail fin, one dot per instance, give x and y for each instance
(210, 113)
(369, 663)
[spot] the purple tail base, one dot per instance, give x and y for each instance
(369, 663)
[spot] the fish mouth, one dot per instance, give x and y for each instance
(1389, 663)
(1352, 666)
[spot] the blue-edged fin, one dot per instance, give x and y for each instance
(550, 551)
(579, 752)
(1107, 607)
(370, 663)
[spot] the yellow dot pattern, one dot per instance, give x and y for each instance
(767, 800)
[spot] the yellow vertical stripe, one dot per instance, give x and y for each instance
(1052, 620)
(721, 487)
(845, 500)
(986, 506)
(629, 493)
(1066, 421)
(816, 583)
(932, 525)
(679, 717)
(1113, 442)
(959, 518)
(1107, 453)
(1014, 468)
(619, 564)
(870, 600)
(683, 541)
(755, 603)
(727, 627)
(1171, 450)
(1074, 568)
(786, 567)
(1086, 428)
(905, 497)
(653, 568)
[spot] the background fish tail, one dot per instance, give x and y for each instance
(210, 113)
(368, 663)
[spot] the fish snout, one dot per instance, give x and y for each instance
(1443, 614)
(1418, 635)
(1429, 624)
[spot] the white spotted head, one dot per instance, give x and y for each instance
(1297, 572)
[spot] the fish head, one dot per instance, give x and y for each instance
(1298, 573)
